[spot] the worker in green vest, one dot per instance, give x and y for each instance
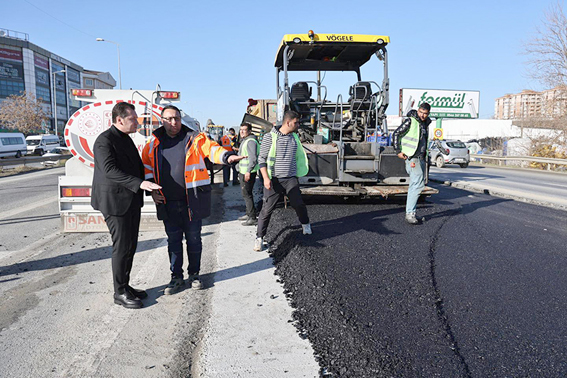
(410, 142)
(247, 170)
(282, 160)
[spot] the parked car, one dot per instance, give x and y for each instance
(443, 152)
(60, 152)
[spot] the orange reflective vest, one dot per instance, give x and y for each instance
(197, 149)
(226, 142)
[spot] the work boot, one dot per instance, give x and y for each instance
(411, 219)
(250, 222)
(174, 286)
(306, 229)
(259, 244)
(195, 282)
(235, 183)
(243, 218)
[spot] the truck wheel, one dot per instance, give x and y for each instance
(18, 154)
(440, 162)
(464, 165)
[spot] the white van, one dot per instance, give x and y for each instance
(12, 144)
(40, 144)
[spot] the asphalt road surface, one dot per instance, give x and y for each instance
(477, 290)
(540, 187)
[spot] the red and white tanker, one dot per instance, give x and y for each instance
(81, 131)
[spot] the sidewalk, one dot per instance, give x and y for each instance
(250, 332)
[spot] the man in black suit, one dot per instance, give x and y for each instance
(117, 191)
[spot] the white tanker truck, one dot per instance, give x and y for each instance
(81, 131)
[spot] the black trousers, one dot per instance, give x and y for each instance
(288, 186)
(124, 231)
(226, 169)
(247, 194)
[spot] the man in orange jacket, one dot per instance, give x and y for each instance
(174, 158)
(229, 142)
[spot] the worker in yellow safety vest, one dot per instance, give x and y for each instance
(248, 168)
(410, 142)
(282, 160)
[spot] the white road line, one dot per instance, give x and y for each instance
(31, 206)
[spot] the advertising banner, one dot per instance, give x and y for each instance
(11, 55)
(41, 61)
(444, 103)
(11, 70)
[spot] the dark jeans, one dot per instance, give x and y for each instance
(178, 225)
(247, 194)
(288, 186)
(124, 231)
(226, 174)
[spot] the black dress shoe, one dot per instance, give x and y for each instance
(127, 300)
(137, 293)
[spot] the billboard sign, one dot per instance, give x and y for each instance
(11, 55)
(11, 70)
(444, 103)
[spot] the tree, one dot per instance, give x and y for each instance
(548, 50)
(23, 112)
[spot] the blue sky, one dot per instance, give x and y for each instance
(220, 53)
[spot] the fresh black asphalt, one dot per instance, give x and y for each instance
(477, 290)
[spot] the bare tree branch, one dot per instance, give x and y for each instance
(547, 51)
(23, 113)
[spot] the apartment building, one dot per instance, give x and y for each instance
(548, 104)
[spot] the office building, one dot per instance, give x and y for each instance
(25, 66)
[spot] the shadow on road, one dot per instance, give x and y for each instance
(69, 259)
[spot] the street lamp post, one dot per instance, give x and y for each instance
(118, 48)
(55, 98)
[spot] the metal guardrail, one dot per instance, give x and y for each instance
(531, 159)
(32, 159)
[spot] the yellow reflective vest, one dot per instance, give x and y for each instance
(300, 155)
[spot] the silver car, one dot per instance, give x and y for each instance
(442, 152)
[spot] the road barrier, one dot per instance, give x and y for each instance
(32, 159)
(532, 159)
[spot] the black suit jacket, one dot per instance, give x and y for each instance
(118, 173)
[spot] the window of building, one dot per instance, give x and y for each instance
(89, 82)
(43, 93)
(60, 98)
(8, 88)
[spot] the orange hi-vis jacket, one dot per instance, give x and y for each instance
(226, 142)
(197, 180)
(198, 148)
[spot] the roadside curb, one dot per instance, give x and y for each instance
(498, 192)
(250, 332)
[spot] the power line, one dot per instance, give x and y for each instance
(55, 18)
